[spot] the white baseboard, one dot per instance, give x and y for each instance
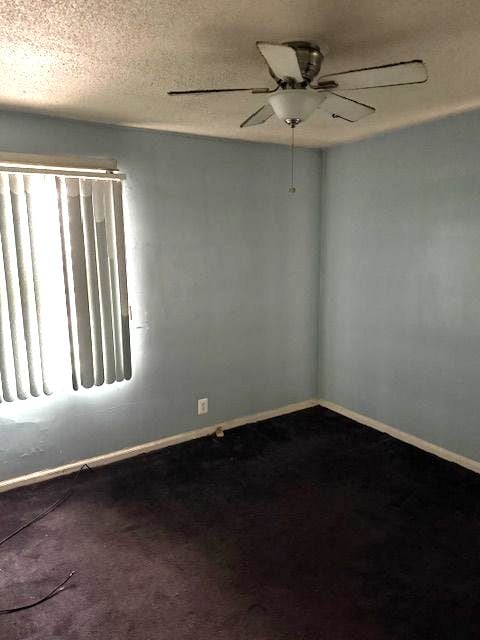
(130, 452)
(168, 441)
(468, 463)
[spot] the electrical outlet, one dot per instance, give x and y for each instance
(202, 406)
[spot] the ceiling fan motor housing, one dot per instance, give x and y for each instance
(309, 58)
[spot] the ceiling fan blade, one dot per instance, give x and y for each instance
(388, 75)
(259, 117)
(200, 91)
(346, 108)
(281, 59)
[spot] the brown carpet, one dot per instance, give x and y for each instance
(305, 527)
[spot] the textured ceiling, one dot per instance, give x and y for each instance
(114, 61)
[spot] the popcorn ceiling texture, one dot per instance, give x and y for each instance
(114, 62)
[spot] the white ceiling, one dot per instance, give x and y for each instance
(114, 61)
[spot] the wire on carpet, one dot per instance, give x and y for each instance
(48, 510)
(60, 587)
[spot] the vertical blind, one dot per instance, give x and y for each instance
(63, 286)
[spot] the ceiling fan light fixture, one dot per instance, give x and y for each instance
(293, 106)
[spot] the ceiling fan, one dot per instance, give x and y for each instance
(295, 67)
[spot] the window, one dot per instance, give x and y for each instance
(63, 289)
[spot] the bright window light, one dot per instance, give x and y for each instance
(63, 291)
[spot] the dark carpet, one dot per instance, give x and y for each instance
(307, 526)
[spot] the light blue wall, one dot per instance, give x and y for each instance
(399, 335)
(223, 273)
(223, 270)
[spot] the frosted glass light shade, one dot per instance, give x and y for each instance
(296, 105)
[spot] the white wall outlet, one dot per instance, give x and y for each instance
(202, 406)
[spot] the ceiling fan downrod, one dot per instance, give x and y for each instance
(292, 188)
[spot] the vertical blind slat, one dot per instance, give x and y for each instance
(13, 290)
(41, 196)
(26, 281)
(7, 363)
(98, 199)
(80, 286)
(114, 284)
(86, 206)
(63, 290)
(68, 285)
(122, 278)
(30, 192)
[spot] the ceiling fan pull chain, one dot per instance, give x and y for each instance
(292, 149)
